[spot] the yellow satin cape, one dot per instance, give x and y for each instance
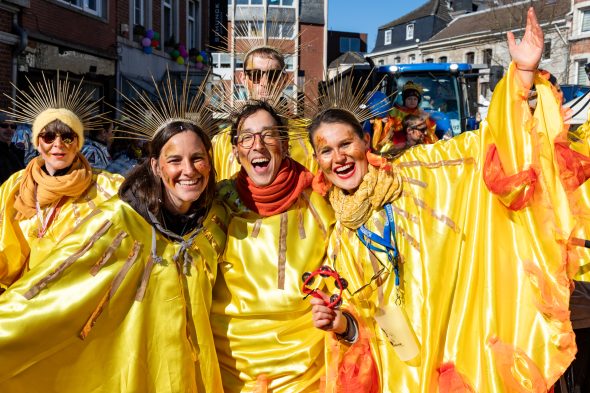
(263, 328)
(20, 246)
(145, 324)
(485, 288)
(226, 165)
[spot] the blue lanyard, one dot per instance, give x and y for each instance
(388, 244)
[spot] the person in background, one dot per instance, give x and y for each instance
(126, 153)
(96, 146)
(11, 158)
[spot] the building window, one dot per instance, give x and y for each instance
(289, 63)
(94, 7)
(249, 2)
(397, 60)
(442, 59)
(282, 3)
(169, 23)
(429, 60)
(410, 31)
(191, 24)
(411, 59)
(547, 50)
(582, 77)
(139, 13)
(487, 57)
(585, 21)
(249, 29)
(387, 37)
(284, 30)
(221, 60)
(381, 62)
(352, 44)
(470, 57)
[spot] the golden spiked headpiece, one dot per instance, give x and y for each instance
(350, 94)
(58, 99)
(143, 118)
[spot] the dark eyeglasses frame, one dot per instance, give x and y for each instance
(66, 137)
(267, 137)
(255, 75)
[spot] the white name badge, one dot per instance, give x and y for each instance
(393, 321)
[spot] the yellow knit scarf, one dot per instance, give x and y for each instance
(50, 189)
(378, 188)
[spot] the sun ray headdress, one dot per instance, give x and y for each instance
(143, 118)
(51, 100)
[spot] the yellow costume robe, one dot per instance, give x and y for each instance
(145, 323)
(226, 165)
(485, 288)
(263, 327)
(20, 245)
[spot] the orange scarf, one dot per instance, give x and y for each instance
(50, 189)
(278, 196)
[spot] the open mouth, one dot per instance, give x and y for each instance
(188, 184)
(260, 164)
(345, 171)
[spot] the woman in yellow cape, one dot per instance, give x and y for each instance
(457, 254)
(44, 202)
(122, 304)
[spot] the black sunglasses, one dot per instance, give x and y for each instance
(8, 125)
(67, 137)
(272, 76)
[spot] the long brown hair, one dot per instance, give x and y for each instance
(142, 189)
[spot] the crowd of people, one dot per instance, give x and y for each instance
(265, 258)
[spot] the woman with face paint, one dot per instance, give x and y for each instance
(278, 231)
(122, 304)
(43, 203)
(457, 255)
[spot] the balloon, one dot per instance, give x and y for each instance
(149, 34)
(155, 43)
(180, 60)
(181, 47)
(204, 53)
(156, 35)
(174, 53)
(182, 52)
(147, 50)
(200, 58)
(146, 41)
(199, 65)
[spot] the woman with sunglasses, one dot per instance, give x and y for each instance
(278, 231)
(458, 271)
(57, 190)
(122, 304)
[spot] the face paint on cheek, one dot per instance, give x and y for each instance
(319, 142)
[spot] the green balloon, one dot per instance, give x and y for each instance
(156, 35)
(175, 53)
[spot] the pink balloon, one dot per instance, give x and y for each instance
(199, 65)
(146, 41)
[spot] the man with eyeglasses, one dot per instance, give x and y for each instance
(264, 76)
(278, 230)
(10, 157)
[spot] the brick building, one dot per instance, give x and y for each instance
(98, 40)
(290, 24)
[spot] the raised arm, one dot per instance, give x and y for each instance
(526, 55)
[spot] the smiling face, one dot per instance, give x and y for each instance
(57, 154)
(260, 74)
(263, 158)
(341, 154)
(184, 167)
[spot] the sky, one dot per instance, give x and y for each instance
(365, 16)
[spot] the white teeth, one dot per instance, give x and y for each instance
(187, 182)
(344, 168)
(260, 160)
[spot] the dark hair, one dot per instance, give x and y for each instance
(142, 189)
(57, 126)
(410, 120)
(248, 110)
(268, 53)
(335, 115)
